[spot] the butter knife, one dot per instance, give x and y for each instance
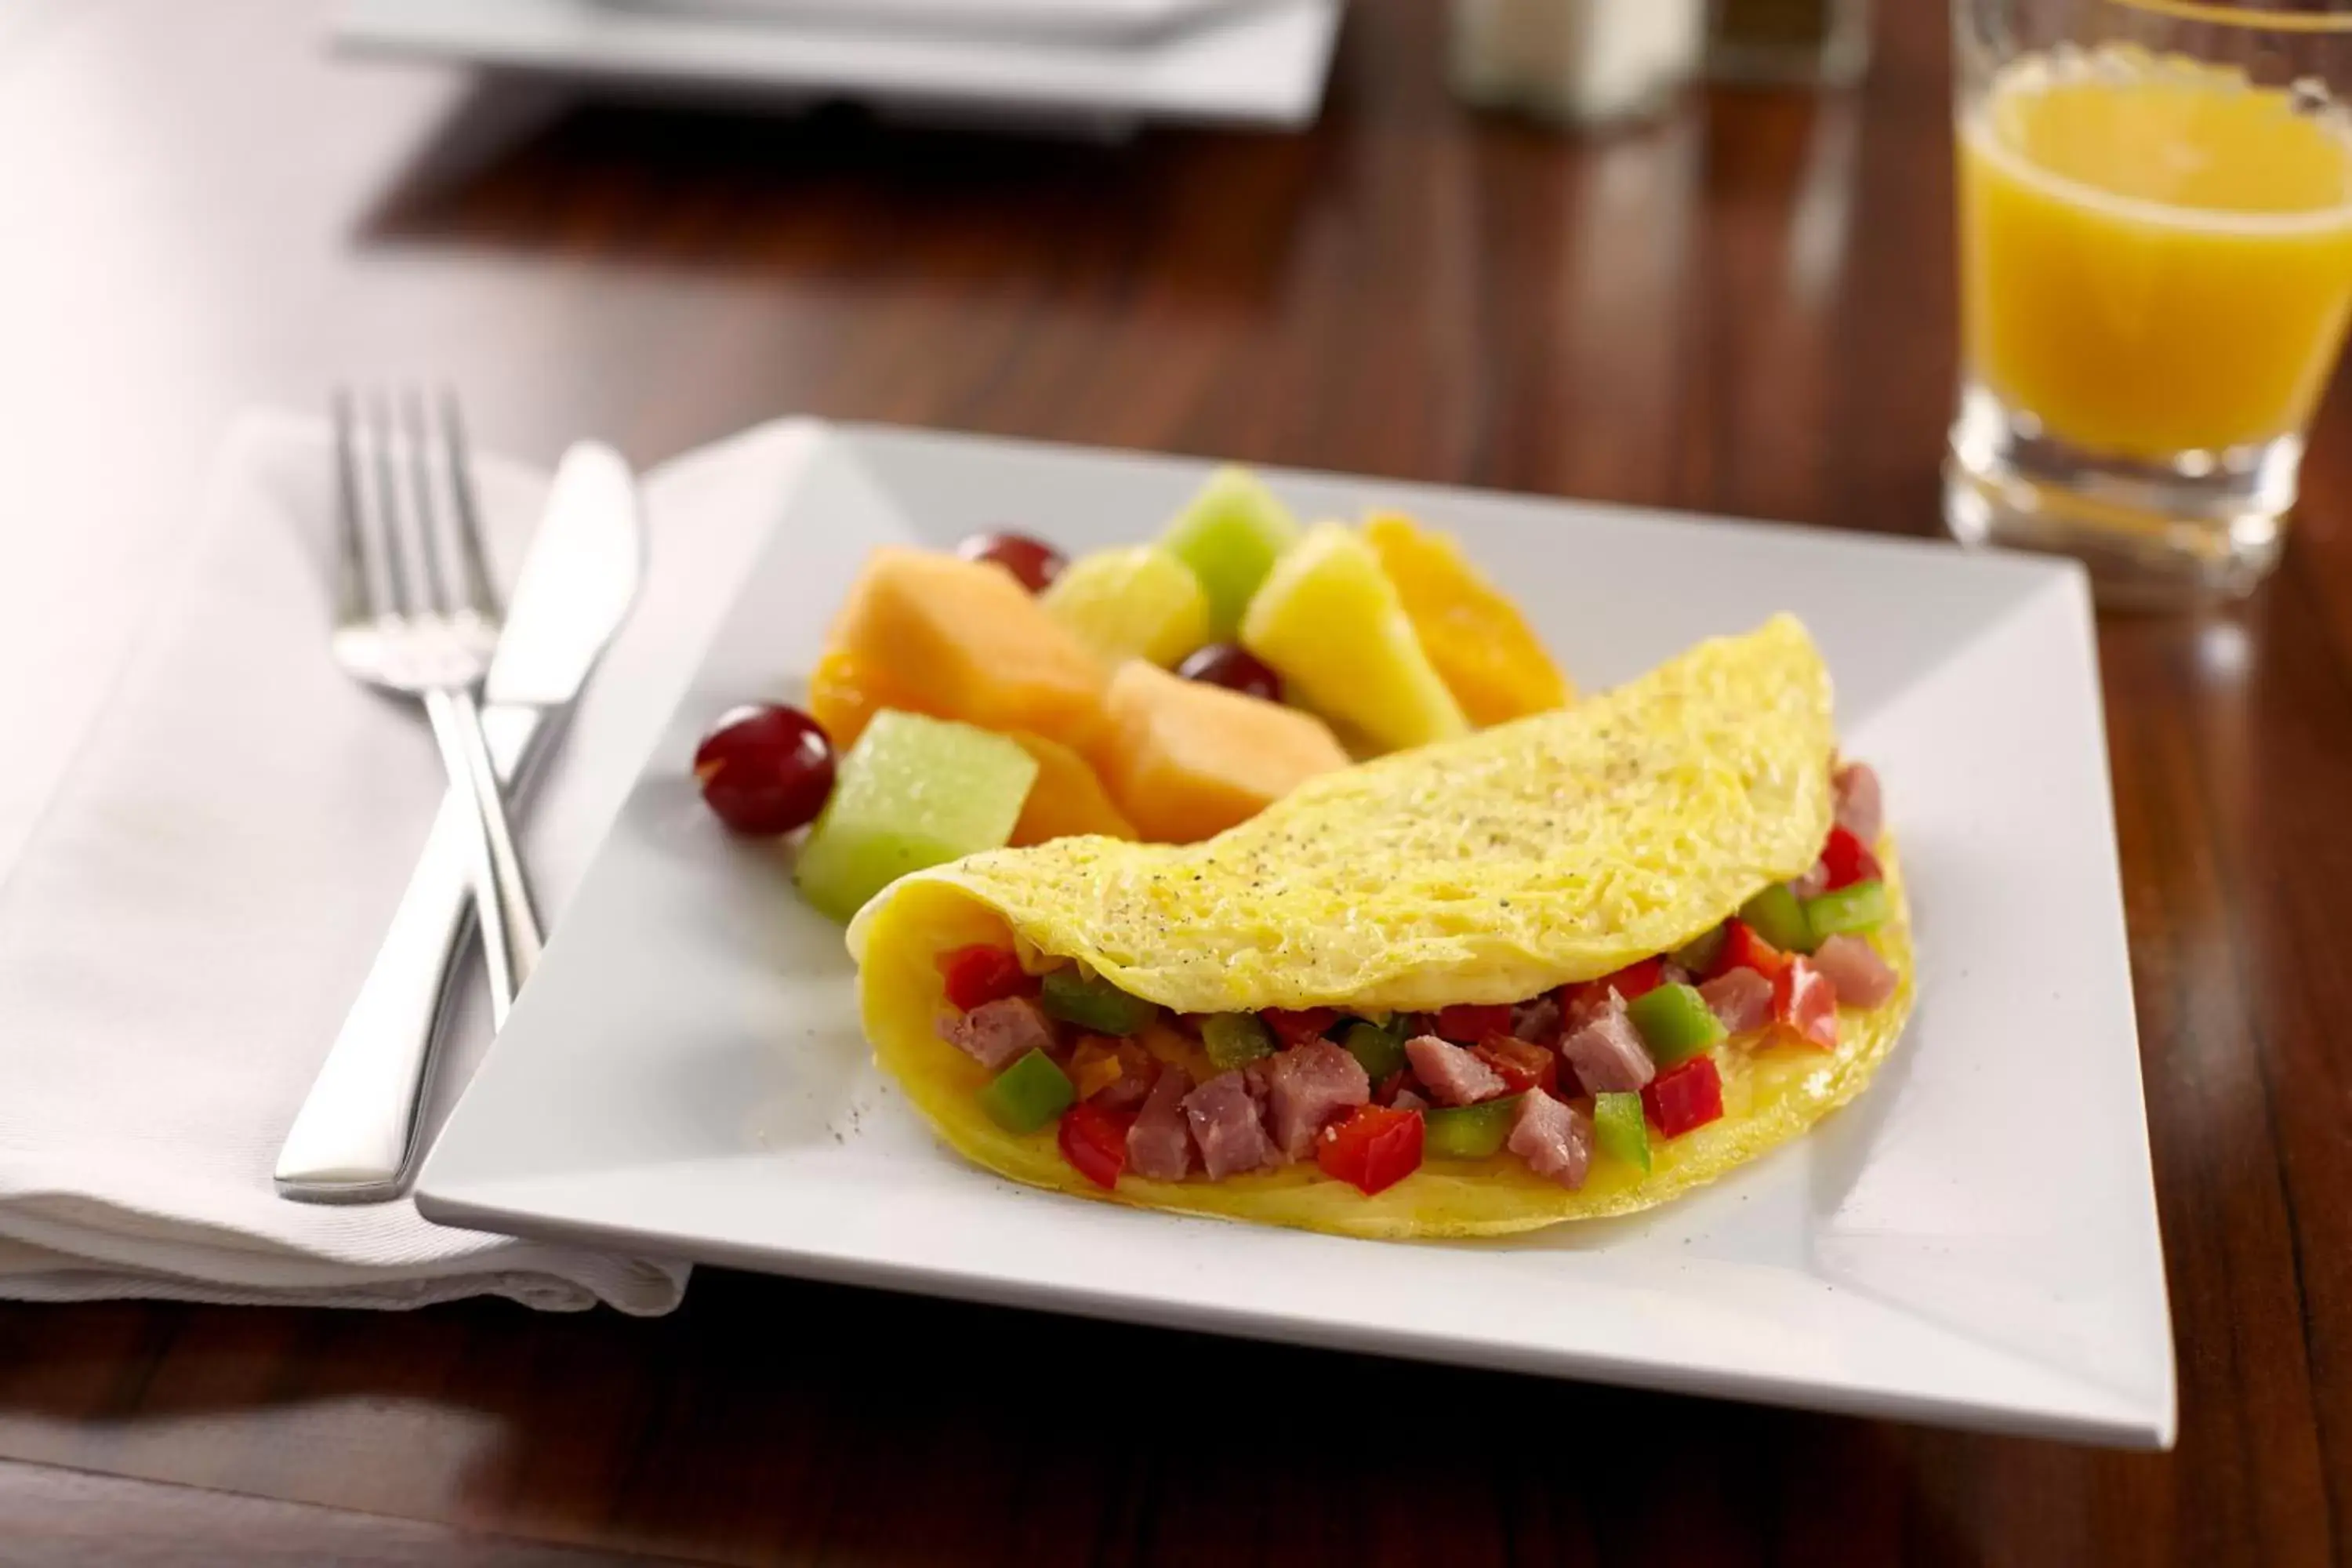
(354, 1139)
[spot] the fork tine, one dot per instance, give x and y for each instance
(354, 592)
(441, 592)
(376, 414)
(480, 589)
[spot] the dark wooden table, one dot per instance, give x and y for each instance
(1747, 309)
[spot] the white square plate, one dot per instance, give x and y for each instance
(1261, 64)
(1973, 1241)
(1102, 19)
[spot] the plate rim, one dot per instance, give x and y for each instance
(566, 40)
(2126, 1426)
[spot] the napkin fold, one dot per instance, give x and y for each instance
(185, 926)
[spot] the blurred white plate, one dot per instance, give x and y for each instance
(1101, 19)
(1974, 1240)
(1260, 64)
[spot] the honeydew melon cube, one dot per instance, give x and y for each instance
(1230, 535)
(913, 792)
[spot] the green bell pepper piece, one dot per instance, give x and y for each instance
(1092, 1003)
(1029, 1094)
(1859, 907)
(1698, 955)
(1775, 915)
(1378, 1049)
(1468, 1132)
(1232, 1038)
(1675, 1023)
(1619, 1128)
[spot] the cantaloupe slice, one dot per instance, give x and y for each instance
(1186, 759)
(1068, 799)
(843, 699)
(934, 634)
(1486, 652)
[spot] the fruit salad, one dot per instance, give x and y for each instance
(1004, 693)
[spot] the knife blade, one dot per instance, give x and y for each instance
(577, 580)
(355, 1139)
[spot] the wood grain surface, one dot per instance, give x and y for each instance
(1748, 309)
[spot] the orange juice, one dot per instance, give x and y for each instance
(2155, 255)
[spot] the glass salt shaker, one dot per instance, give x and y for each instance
(1584, 62)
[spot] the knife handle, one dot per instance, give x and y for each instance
(502, 906)
(355, 1136)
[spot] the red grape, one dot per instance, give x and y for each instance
(1035, 562)
(1234, 666)
(765, 770)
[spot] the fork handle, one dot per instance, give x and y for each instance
(510, 936)
(354, 1137)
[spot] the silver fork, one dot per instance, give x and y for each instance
(416, 614)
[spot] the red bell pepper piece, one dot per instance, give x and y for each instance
(1523, 1066)
(1689, 1096)
(981, 974)
(1848, 860)
(1095, 1141)
(1804, 1003)
(1297, 1029)
(1468, 1024)
(1743, 949)
(1375, 1148)
(1634, 979)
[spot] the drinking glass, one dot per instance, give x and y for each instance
(2155, 269)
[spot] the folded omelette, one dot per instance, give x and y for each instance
(1574, 965)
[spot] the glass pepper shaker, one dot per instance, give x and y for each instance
(1796, 43)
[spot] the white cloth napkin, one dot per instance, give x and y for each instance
(182, 932)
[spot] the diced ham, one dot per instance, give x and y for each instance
(1853, 968)
(1309, 1086)
(1813, 883)
(1740, 1000)
(995, 1033)
(1554, 1140)
(1160, 1144)
(1538, 1020)
(1224, 1116)
(1859, 809)
(1139, 1069)
(1452, 1075)
(1607, 1052)
(1588, 1002)
(1407, 1100)
(1257, 1077)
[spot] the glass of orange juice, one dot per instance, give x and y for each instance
(2156, 271)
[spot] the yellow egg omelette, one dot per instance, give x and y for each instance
(1527, 875)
